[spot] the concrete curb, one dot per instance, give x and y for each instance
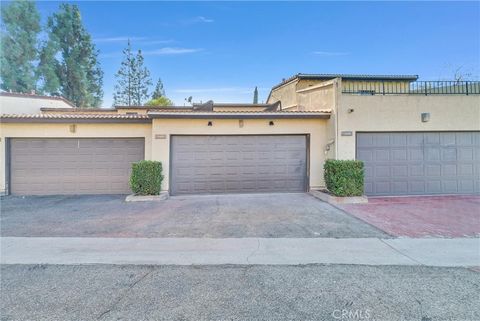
(244, 251)
(147, 198)
(338, 200)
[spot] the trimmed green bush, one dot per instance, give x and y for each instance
(344, 177)
(146, 178)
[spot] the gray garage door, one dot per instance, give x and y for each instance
(419, 163)
(238, 164)
(72, 166)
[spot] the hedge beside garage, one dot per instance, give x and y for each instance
(344, 177)
(146, 178)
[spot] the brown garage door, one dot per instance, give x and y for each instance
(72, 166)
(238, 164)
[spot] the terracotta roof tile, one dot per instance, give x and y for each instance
(322, 111)
(74, 116)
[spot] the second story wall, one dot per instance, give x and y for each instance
(25, 104)
(317, 97)
(287, 94)
(402, 113)
(304, 94)
(375, 87)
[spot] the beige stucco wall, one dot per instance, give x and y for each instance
(296, 95)
(377, 86)
(287, 94)
(12, 130)
(140, 111)
(318, 97)
(315, 127)
(402, 113)
(27, 105)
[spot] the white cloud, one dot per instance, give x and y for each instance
(155, 42)
(330, 53)
(166, 51)
(195, 20)
(134, 40)
(203, 19)
(170, 51)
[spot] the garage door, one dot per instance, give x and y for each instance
(419, 163)
(238, 164)
(72, 166)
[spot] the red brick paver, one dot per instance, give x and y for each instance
(422, 216)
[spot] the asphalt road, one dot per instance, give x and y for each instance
(312, 292)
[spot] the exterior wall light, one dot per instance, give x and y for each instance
(209, 124)
(73, 128)
(240, 123)
(350, 110)
(271, 123)
(425, 117)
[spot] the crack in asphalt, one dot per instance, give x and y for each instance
(120, 298)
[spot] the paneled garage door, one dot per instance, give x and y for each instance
(420, 163)
(238, 164)
(72, 166)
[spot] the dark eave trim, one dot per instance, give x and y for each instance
(241, 116)
(347, 77)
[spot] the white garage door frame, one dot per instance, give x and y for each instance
(476, 169)
(307, 152)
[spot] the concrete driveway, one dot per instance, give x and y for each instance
(422, 216)
(212, 216)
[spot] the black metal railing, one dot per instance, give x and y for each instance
(411, 88)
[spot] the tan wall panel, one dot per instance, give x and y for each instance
(28, 105)
(63, 131)
(315, 127)
(139, 111)
(402, 113)
(317, 98)
(287, 94)
(377, 86)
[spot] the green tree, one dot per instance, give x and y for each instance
(159, 90)
(160, 101)
(142, 80)
(255, 95)
(18, 46)
(68, 60)
(133, 79)
(124, 76)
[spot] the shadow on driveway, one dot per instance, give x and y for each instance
(213, 216)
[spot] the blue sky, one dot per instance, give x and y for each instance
(222, 50)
